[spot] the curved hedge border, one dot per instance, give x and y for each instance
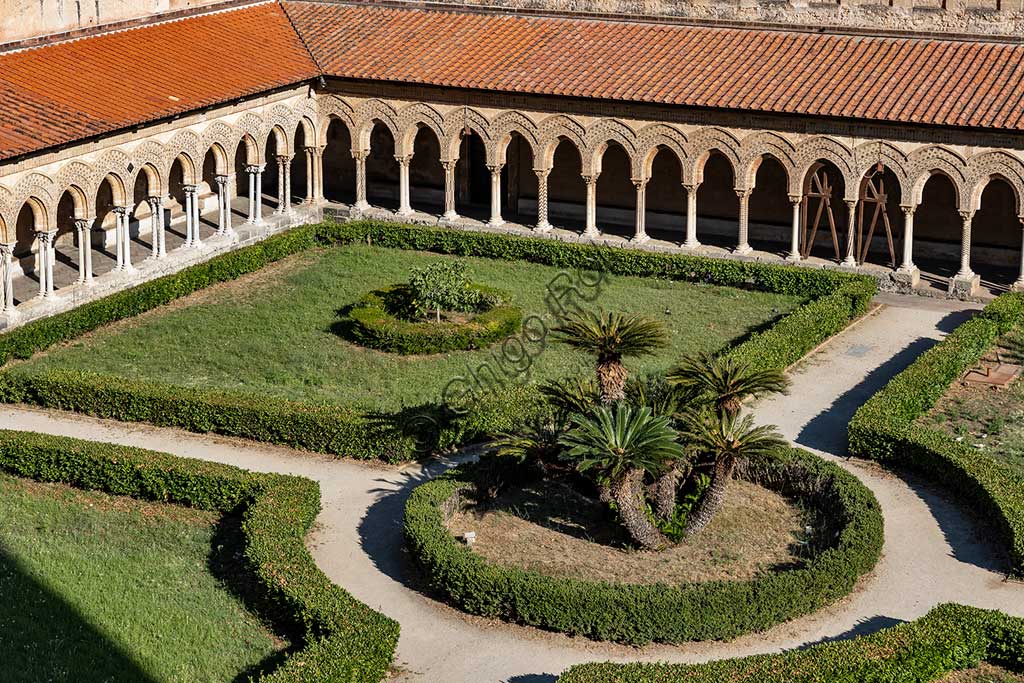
(375, 326)
(837, 297)
(948, 638)
(885, 428)
(344, 640)
(638, 614)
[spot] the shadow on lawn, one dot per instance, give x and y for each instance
(43, 638)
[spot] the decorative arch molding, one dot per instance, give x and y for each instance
(455, 123)
(651, 139)
(334, 107)
(6, 207)
(116, 164)
(812, 150)
(252, 125)
(504, 125)
(366, 115)
(282, 141)
(599, 134)
(410, 119)
(283, 119)
(155, 185)
(756, 147)
(222, 134)
(705, 141)
(154, 155)
(307, 115)
(41, 189)
(983, 168)
(77, 174)
(926, 162)
(187, 145)
(551, 131)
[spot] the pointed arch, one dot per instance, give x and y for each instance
(76, 174)
(153, 154)
(410, 119)
(367, 114)
(40, 189)
(550, 133)
(219, 133)
(185, 143)
(332, 108)
(651, 139)
(926, 162)
(756, 147)
(987, 166)
(812, 150)
(702, 144)
(504, 125)
(6, 233)
(253, 126)
(455, 123)
(868, 154)
(599, 134)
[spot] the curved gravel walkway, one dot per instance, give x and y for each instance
(933, 553)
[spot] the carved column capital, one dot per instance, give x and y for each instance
(7, 249)
(122, 210)
(966, 216)
(360, 155)
(187, 189)
(795, 199)
(908, 210)
(222, 180)
(403, 159)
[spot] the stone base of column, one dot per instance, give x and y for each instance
(964, 285)
(906, 279)
(794, 257)
(361, 206)
(543, 227)
(496, 222)
(848, 262)
(1018, 286)
(639, 239)
(405, 213)
(743, 249)
(450, 217)
(691, 245)
(592, 233)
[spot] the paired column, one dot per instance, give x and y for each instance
(7, 279)
(223, 205)
(156, 217)
(640, 226)
(691, 215)
(794, 230)
(743, 243)
(450, 213)
(284, 182)
(361, 203)
(314, 174)
(590, 226)
(1019, 284)
(45, 260)
(122, 239)
(255, 172)
(496, 219)
(192, 238)
(404, 201)
(542, 199)
(850, 261)
(83, 231)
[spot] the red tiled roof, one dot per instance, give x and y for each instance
(76, 89)
(913, 80)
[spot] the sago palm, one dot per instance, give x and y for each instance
(724, 439)
(611, 337)
(623, 444)
(727, 380)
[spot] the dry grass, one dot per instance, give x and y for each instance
(551, 529)
(986, 673)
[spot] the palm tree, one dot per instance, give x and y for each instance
(623, 445)
(727, 380)
(724, 439)
(571, 394)
(610, 337)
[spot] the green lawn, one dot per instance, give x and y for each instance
(273, 332)
(103, 588)
(989, 419)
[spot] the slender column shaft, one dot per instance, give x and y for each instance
(282, 165)
(7, 277)
(120, 237)
(404, 200)
(590, 226)
(224, 205)
(908, 239)
(162, 225)
(794, 229)
(361, 203)
(80, 238)
(449, 190)
(743, 243)
(318, 174)
(543, 225)
(851, 232)
(251, 170)
(45, 264)
(1020, 280)
(496, 219)
(310, 180)
(288, 185)
(189, 228)
(127, 231)
(259, 194)
(691, 216)
(640, 217)
(965, 246)
(154, 225)
(83, 229)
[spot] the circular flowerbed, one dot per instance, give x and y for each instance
(847, 545)
(384, 320)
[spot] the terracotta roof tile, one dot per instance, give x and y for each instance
(76, 89)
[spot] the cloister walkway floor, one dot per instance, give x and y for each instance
(934, 551)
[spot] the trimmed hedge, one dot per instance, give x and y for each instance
(343, 639)
(949, 638)
(638, 614)
(375, 324)
(885, 427)
(836, 297)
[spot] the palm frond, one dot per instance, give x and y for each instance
(610, 335)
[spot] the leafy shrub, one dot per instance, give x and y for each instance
(885, 427)
(442, 286)
(343, 639)
(637, 614)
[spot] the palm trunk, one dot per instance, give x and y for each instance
(712, 500)
(611, 377)
(665, 490)
(628, 494)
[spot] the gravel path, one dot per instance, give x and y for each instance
(933, 553)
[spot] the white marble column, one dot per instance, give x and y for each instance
(450, 213)
(965, 272)
(45, 261)
(83, 230)
(122, 239)
(543, 225)
(7, 279)
(156, 205)
(850, 261)
(743, 243)
(590, 226)
(361, 203)
(907, 265)
(223, 205)
(496, 220)
(283, 166)
(310, 179)
(251, 170)
(318, 174)
(691, 216)
(794, 229)
(190, 195)
(640, 215)
(404, 201)
(258, 218)
(1019, 284)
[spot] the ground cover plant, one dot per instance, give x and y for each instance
(108, 588)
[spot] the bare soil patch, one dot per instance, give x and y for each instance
(986, 673)
(550, 528)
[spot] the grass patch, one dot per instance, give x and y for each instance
(274, 332)
(106, 588)
(549, 528)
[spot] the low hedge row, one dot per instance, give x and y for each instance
(836, 297)
(374, 324)
(343, 639)
(637, 614)
(949, 638)
(885, 428)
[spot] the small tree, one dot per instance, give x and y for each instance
(610, 337)
(726, 379)
(623, 445)
(442, 286)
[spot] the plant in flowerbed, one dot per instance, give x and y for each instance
(640, 509)
(440, 309)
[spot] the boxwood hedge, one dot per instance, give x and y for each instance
(885, 428)
(637, 614)
(343, 639)
(949, 638)
(834, 298)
